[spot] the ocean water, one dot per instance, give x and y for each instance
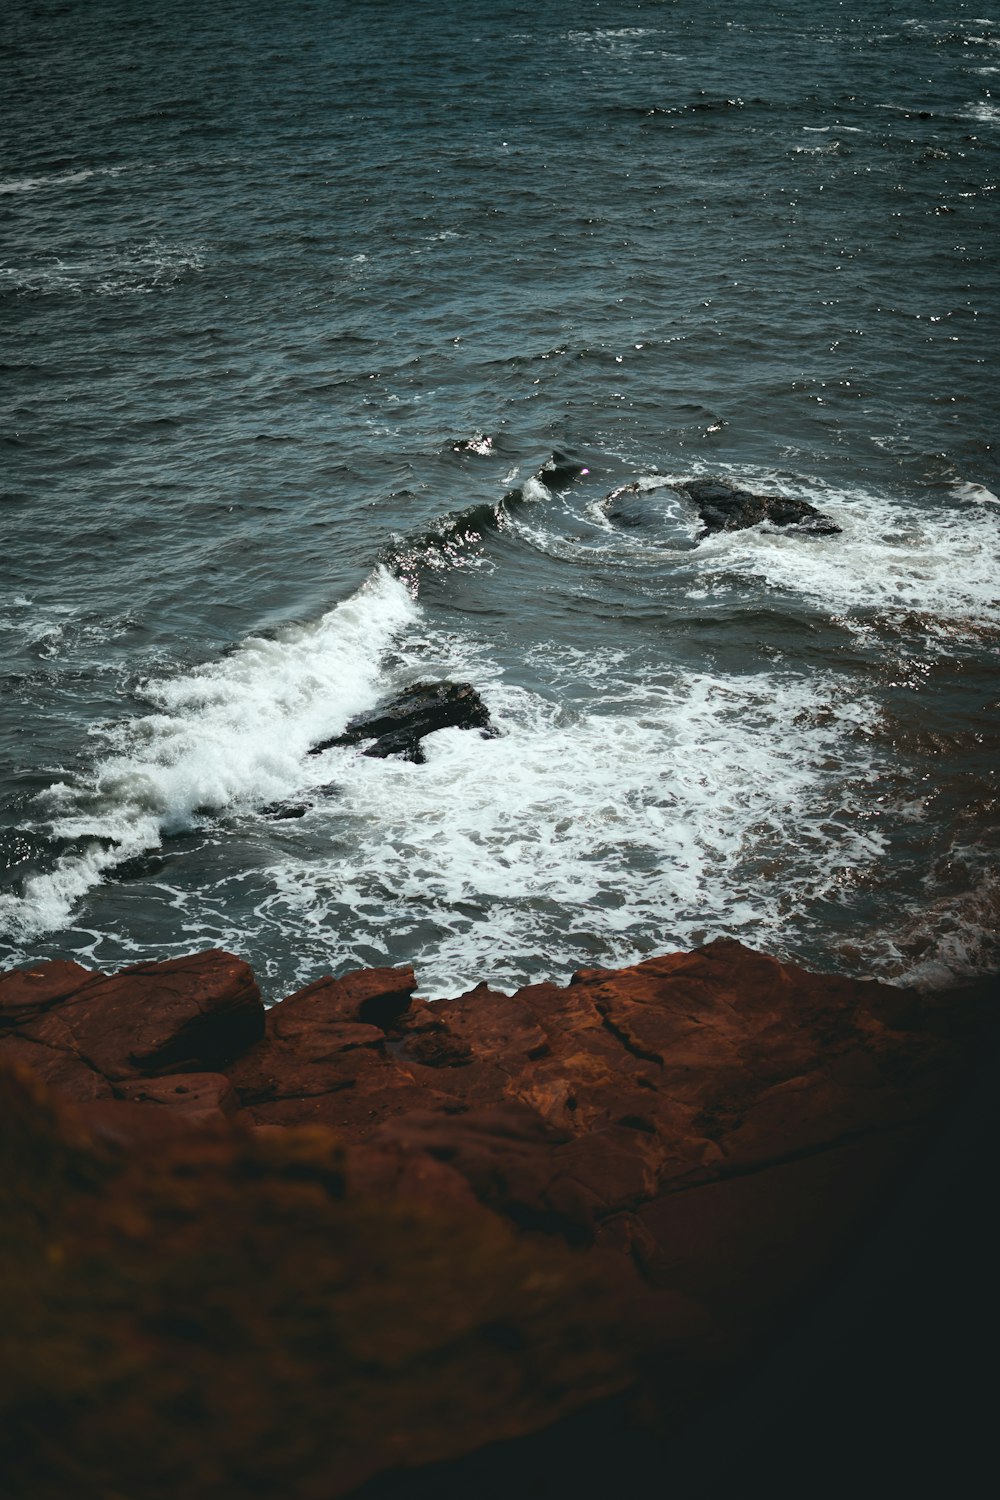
(297, 299)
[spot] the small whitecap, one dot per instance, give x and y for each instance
(977, 493)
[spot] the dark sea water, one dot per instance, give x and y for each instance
(293, 295)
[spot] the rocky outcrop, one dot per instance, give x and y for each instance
(721, 506)
(399, 726)
(376, 1232)
(725, 507)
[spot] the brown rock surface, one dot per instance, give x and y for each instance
(85, 1033)
(27, 992)
(653, 1080)
(703, 1135)
(219, 1313)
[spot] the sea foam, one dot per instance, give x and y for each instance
(232, 733)
(703, 806)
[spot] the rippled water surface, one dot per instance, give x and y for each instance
(296, 301)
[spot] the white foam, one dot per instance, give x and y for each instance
(611, 34)
(641, 827)
(977, 493)
(49, 900)
(613, 818)
(535, 489)
(135, 268)
(230, 734)
(55, 179)
(983, 113)
(935, 561)
(939, 563)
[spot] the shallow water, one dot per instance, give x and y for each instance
(264, 268)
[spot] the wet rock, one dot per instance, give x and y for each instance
(398, 727)
(720, 505)
(281, 812)
(725, 507)
(286, 810)
(630, 506)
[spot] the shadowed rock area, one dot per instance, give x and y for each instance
(327, 1245)
(222, 1311)
(398, 727)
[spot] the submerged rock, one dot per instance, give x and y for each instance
(725, 507)
(643, 504)
(397, 727)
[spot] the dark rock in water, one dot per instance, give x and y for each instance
(721, 506)
(725, 507)
(139, 867)
(399, 725)
(559, 471)
(279, 811)
(626, 507)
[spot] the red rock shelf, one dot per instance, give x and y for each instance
(629, 1184)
